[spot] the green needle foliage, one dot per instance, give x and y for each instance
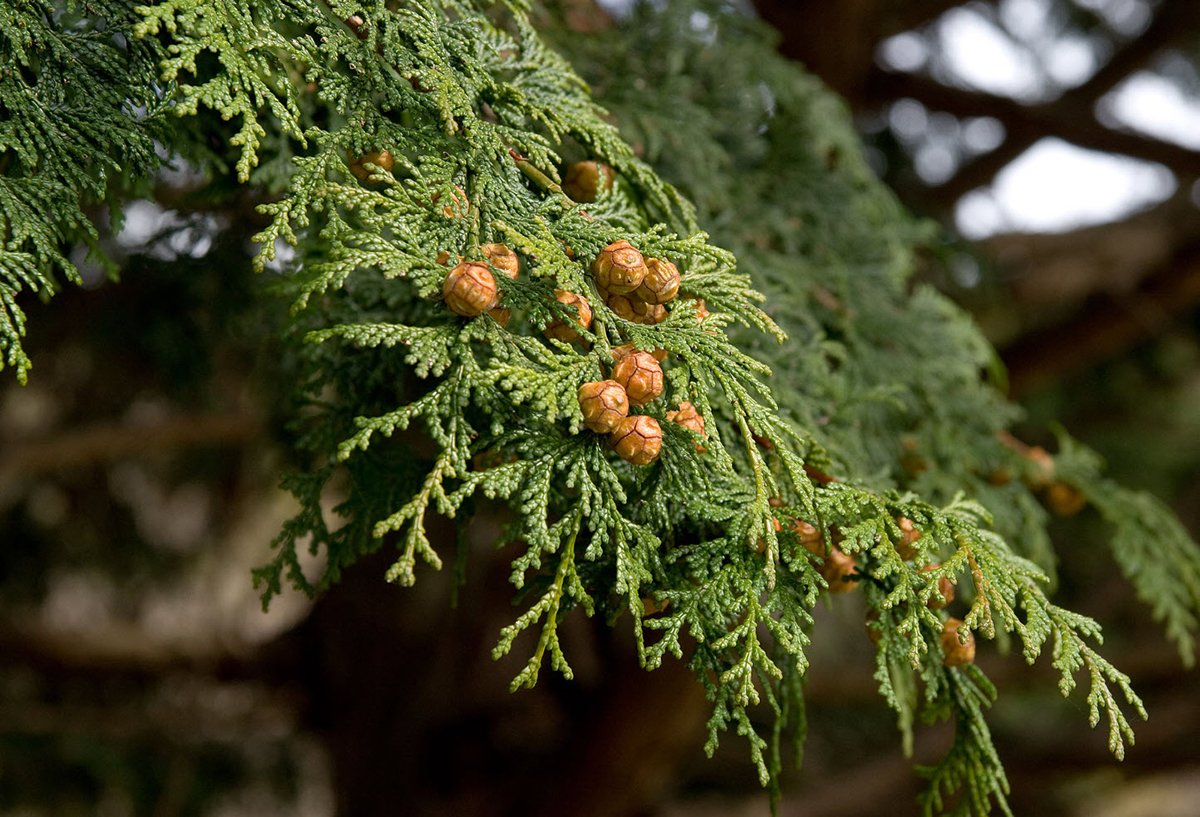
(387, 140)
(79, 113)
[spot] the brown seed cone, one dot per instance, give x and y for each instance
(1063, 499)
(955, 653)
(999, 476)
(661, 283)
(689, 418)
(501, 315)
(604, 405)
(637, 439)
(491, 458)
(583, 181)
(358, 25)
(701, 310)
(837, 570)
(1042, 472)
(945, 589)
(760, 546)
(640, 375)
(503, 259)
(380, 158)
(655, 313)
(627, 307)
(459, 204)
(619, 268)
(651, 606)
(619, 352)
(809, 536)
(470, 289)
(911, 460)
(909, 534)
(568, 332)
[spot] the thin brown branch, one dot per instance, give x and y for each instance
(1070, 117)
(105, 443)
(1106, 328)
(905, 16)
(111, 647)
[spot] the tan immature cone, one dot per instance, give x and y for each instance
(583, 181)
(661, 283)
(999, 476)
(689, 418)
(459, 204)
(640, 375)
(945, 589)
(652, 606)
(1063, 499)
(909, 534)
(503, 259)
(633, 309)
(1041, 473)
(619, 352)
(838, 569)
(955, 652)
(604, 405)
(760, 544)
(809, 536)
(625, 306)
(357, 25)
(470, 289)
(620, 268)
(655, 313)
(379, 158)
(637, 439)
(566, 332)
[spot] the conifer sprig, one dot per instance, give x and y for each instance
(403, 138)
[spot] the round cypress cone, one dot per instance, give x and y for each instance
(604, 404)
(955, 653)
(661, 283)
(945, 589)
(566, 332)
(689, 418)
(620, 268)
(470, 289)
(584, 180)
(640, 375)
(503, 259)
(809, 536)
(637, 439)
(379, 158)
(837, 570)
(909, 534)
(1064, 499)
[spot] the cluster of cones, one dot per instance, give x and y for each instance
(635, 380)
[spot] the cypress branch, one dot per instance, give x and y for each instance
(386, 141)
